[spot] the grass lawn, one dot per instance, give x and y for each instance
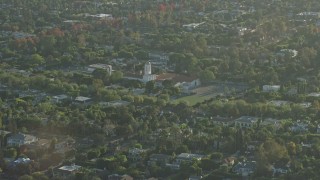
(210, 91)
(193, 99)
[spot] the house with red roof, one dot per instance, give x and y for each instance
(185, 82)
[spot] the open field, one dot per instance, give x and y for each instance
(207, 92)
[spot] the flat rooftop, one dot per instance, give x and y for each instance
(70, 168)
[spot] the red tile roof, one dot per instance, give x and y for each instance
(175, 77)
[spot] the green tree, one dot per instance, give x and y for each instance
(39, 176)
(93, 153)
(270, 152)
(52, 145)
(26, 177)
(116, 76)
(47, 44)
(101, 74)
(36, 60)
(206, 76)
(150, 86)
(10, 153)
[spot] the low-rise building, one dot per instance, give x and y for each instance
(309, 14)
(299, 127)
(229, 161)
(192, 25)
(116, 103)
(318, 129)
(271, 122)
(279, 103)
(106, 67)
(186, 83)
(173, 166)
(160, 159)
(19, 161)
(224, 121)
(245, 168)
(278, 170)
(59, 98)
(82, 100)
(287, 52)
(314, 95)
(20, 139)
(270, 88)
(66, 171)
(246, 122)
(135, 154)
(188, 157)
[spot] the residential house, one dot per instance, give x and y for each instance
(66, 171)
(314, 95)
(188, 157)
(59, 98)
(192, 26)
(305, 104)
(245, 168)
(155, 135)
(287, 52)
(138, 91)
(293, 91)
(159, 159)
(186, 83)
(299, 127)
(246, 122)
(271, 122)
(306, 145)
(116, 103)
(135, 154)
(241, 31)
(270, 88)
(158, 56)
(19, 161)
(224, 121)
(173, 166)
(21, 72)
(278, 170)
(309, 15)
(279, 103)
(251, 148)
(216, 50)
(81, 100)
(101, 16)
(21, 35)
(20, 139)
(229, 161)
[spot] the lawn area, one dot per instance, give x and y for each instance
(193, 99)
(207, 92)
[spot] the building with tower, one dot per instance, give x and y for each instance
(106, 67)
(186, 82)
(147, 75)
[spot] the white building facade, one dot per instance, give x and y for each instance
(147, 75)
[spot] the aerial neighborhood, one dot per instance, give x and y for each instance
(159, 89)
